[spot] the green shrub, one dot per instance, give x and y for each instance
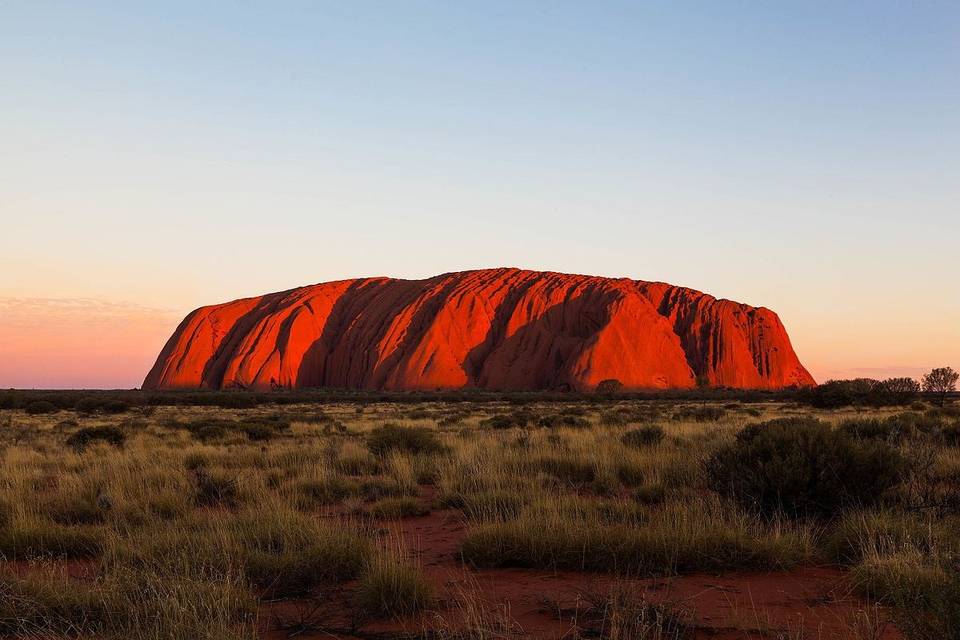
(259, 432)
(801, 466)
(520, 418)
(614, 418)
(93, 404)
(289, 553)
(645, 436)
(38, 407)
(556, 420)
(703, 413)
(873, 429)
(390, 437)
(108, 433)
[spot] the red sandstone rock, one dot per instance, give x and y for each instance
(502, 329)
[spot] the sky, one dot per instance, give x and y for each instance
(156, 157)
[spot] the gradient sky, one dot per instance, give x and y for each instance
(155, 157)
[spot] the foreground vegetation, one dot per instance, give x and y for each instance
(144, 521)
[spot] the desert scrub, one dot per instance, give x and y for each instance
(107, 433)
(646, 436)
(398, 507)
(127, 604)
(277, 550)
(695, 536)
(288, 553)
(391, 586)
(702, 413)
(318, 492)
(40, 407)
(48, 602)
(518, 418)
(214, 488)
(804, 467)
(390, 437)
(623, 614)
(860, 534)
(352, 458)
(925, 593)
(32, 537)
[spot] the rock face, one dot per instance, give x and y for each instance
(503, 329)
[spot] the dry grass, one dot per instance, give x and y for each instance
(190, 520)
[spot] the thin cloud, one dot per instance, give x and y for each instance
(26, 313)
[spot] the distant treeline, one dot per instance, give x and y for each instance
(835, 393)
(117, 401)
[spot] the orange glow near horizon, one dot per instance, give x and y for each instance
(78, 343)
(89, 343)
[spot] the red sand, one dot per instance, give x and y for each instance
(810, 602)
(501, 329)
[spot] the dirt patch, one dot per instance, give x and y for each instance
(809, 602)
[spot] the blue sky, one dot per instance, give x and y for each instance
(801, 156)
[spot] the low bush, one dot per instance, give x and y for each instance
(703, 413)
(556, 420)
(32, 539)
(645, 436)
(892, 429)
(39, 407)
(259, 432)
(390, 437)
(107, 433)
(614, 418)
(519, 418)
(289, 553)
(861, 392)
(100, 404)
(214, 489)
(950, 434)
(650, 494)
(801, 466)
(565, 468)
(73, 509)
(315, 493)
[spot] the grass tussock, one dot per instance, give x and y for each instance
(392, 586)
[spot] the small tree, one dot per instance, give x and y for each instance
(940, 382)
